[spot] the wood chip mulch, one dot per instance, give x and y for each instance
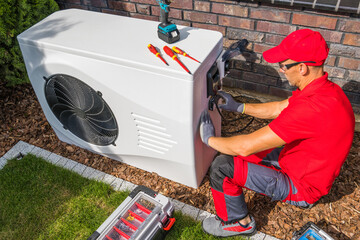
(338, 213)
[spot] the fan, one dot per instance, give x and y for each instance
(81, 109)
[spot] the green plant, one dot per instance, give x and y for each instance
(15, 17)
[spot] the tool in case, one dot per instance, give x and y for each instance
(144, 214)
(310, 232)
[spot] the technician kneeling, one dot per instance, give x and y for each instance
(296, 158)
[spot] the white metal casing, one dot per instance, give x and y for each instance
(157, 107)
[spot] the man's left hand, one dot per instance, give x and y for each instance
(207, 129)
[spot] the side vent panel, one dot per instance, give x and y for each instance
(152, 135)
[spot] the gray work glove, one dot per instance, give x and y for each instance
(230, 104)
(207, 129)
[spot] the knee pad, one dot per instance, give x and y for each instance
(221, 167)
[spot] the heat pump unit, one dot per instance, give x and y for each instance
(103, 90)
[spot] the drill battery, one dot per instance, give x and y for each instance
(310, 232)
(144, 214)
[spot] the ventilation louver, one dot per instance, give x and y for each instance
(81, 109)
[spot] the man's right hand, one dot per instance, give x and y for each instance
(230, 104)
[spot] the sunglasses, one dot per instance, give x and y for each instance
(285, 67)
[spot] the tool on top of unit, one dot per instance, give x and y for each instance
(171, 54)
(310, 232)
(179, 51)
(167, 31)
(144, 215)
(154, 51)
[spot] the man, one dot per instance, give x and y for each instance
(296, 158)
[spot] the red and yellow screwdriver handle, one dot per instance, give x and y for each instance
(179, 51)
(157, 54)
(171, 54)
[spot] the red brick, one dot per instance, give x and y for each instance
(279, 92)
(114, 12)
(343, 50)
(329, 35)
(352, 39)
(349, 63)
(124, 6)
(143, 9)
(251, 36)
(260, 48)
(278, 28)
(67, 6)
(354, 75)
(314, 21)
(350, 26)
(202, 6)
(335, 72)
(273, 39)
(73, 1)
(153, 2)
(200, 17)
(236, 22)
(96, 3)
(270, 14)
(210, 27)
(182, 23)
(330, 61)
(146, 17)
(174, 13)
(228, 9)
(182, 4)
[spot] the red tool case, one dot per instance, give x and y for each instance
(144, 214)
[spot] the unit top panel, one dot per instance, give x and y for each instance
(119, 39)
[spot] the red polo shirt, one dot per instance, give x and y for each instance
(318, 128)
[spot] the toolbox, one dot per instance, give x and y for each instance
(310, 232)
(144, 214)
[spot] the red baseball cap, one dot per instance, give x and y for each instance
(301, 45)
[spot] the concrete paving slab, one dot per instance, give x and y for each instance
(15, 150)
(53, 158)
(62, 162)
(39, 152)
(87, 172)
(116, 184)
(177, 204)
(127, 186)
(3, 162)
(268, 237)
(190, 211)
(258, 236)
(27, 149)
(202, 215)
(109, 179)
(97, 175)
(79, 168)
(70, 164)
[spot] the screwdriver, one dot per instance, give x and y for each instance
(179, 51)
(154, 51)
(169, 52)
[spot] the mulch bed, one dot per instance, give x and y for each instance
(338, 213)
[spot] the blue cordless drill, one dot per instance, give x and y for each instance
(167, 31)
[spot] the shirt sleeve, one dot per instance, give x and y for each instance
(299, 120)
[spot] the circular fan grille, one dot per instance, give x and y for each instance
(81, 109)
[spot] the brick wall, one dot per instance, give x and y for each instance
(264, 26)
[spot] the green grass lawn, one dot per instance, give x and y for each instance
(39, 200)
